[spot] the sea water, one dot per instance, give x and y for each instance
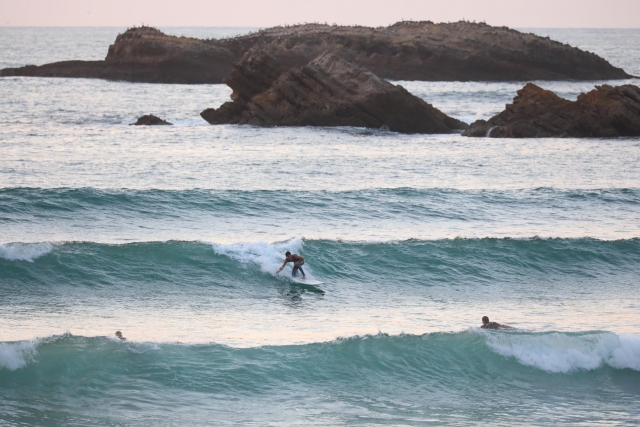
(173, 234)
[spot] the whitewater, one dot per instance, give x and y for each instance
(172, 235)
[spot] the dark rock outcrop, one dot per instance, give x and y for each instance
(150, 120)
(328, 91)
(606, 111)
(426, 51)
(254, 74)
(145, 54)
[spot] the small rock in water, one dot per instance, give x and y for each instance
(150, 120)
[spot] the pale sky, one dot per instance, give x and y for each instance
(263, 13)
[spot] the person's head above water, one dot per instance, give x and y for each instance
(485, 320)
(287, 254)
(119, 335)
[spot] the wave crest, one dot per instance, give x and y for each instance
(268, 256)
(25, 251)
(552, 352)
(17, 355)
(563, 353)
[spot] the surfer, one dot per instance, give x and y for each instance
(297, 261)
(119, 335)
(493, 325)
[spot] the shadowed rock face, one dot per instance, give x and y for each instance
(606, 111)
(426, 51)
(253, 75)
(328, 91)
(150, 120)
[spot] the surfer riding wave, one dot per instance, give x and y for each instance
(297, 261)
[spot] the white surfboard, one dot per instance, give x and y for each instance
(307, 281)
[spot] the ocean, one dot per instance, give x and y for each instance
(172, 235)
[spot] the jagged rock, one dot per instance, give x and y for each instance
(256, 74)
(606, 111)
(328, 91)
(150, 120)
(459, 51)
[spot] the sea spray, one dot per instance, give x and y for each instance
(268, 256)
(25, 251)
(563, 353)
(16, 355)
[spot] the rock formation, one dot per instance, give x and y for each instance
(150, 120)
(462, 51)
(606, 111)
(328, 91)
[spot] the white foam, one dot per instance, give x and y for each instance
(268, 256)
(559, 352)
(24, 251)
(16, 355)
(190, 122)
(627, 355)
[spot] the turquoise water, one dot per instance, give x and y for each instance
(117, 216)
(467, 378)
(172, 235)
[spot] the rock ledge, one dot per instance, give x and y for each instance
(328, 91)
(457, 51)
(606, 111)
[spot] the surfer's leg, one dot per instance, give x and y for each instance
(297, 267)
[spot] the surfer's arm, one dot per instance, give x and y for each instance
(283, 264)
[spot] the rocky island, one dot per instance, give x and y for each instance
(606, 111)
(459, 51)
(328, 91)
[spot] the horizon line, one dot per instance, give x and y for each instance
(305, 23)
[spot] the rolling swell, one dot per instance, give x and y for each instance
(370, 375)
(429, 262)
(112, 216)
(22, 203)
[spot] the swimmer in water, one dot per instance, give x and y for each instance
(493, 325)
(119, 335)
(297, 261)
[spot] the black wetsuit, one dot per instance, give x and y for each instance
(491, 325)
(295, 258)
